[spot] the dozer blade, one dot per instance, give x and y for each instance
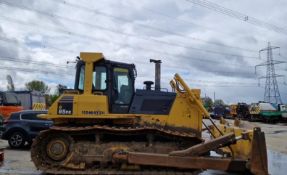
(194, 157)
(251, 146)
(202, 148)
(165, 160)
(259, 162)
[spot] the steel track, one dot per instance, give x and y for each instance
(55, 169)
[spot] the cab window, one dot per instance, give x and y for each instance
(11, 98)
(1, 99)
(81, 78)
(123, 86)
(99, 78)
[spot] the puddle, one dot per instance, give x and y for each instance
(277, 163)
(17, 162)
(5, 169)
(279, 131)
(22, 172)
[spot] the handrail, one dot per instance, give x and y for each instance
(192, 96)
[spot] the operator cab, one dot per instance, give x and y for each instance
(9, 99)
(113, 79)
(98, 76)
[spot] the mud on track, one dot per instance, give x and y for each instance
(19, 161)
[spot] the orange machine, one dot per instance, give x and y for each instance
(9, 103)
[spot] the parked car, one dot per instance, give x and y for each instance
(21, 127)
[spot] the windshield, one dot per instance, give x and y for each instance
(81, 78)
(11, 98)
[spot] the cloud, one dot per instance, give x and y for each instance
(7, 49)
(177, 32)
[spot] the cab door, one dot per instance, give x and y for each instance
(123, 90)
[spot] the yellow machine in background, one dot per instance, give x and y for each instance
(39, 106)
(105, 126)
(233, 110)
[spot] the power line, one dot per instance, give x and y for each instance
(98, 12)
(42, 45)
(187, 68)
(226, 83)
(122, 33)
(238, 15)
(17, 60)
(25, 60)
(168, 67)
(222, 82)
(50, 72)
(43, 64)
(158, 52)
(54, 65)
(166, 15)
(142, 62)
(225, 86)
(30, 70)
(92, 38)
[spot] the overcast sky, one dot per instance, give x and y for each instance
(211, 51)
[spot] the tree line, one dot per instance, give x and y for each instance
(209, 104)
(41, 86)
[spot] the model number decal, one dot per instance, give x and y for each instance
(64, 112)
(92, 112)
(65, 108)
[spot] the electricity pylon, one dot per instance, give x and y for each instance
(271, 94)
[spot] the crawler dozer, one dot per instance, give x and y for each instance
(105, 126)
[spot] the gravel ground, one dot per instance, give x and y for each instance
(276, 136)
(19, 161)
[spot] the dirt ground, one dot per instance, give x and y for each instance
(19, 161)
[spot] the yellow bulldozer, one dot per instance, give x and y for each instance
(105, 126)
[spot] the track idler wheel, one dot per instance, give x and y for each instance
(58, 148)
(51, 149)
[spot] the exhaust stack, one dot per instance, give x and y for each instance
(157, 73)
